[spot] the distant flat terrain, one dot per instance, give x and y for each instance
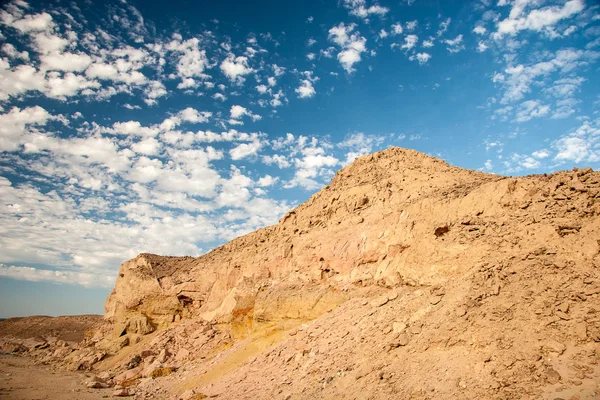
(67, 328)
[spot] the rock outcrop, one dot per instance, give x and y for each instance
(404, 278)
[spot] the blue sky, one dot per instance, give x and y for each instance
(130, 127)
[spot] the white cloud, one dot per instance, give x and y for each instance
(565, 108)
(455, 45)
(192, 115)
(21, 79)
(360, 9)
(481, 46)
(422, 58)
(517, 162)
(480, 30)
(410, 41)
(102, 71)
(66, 62)
(352, 44)
(16, 126)
(46, 43)
(34, 23)
(581, 145)
(566, 87)
(444, 26)
(277, 159)
(359, 144)
(153, 91)
(267, 181)
(219, 96)
(192, 61)
(541, 154)
(245, 150)
(56, 276)
(537, 19)
(313, 163)
(397, 29)
(531, 109)
(306, 89)
(235, 67)
(147, 146)
(237, 112)
(520, 78)
(411, 25)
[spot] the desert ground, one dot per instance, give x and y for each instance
(22, 379)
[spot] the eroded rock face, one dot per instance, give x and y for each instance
(393, 218)
(402, 254)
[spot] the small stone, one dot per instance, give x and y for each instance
(461, 311)
(393, 296)
(402, 339)
(581, 330)
(415, 329)
(562, 315)
(160, 372)
(555, 347)
(96, 385)
(399, 327)
(122, 393)
(563, 307)
(435, 300)
(552, 376)
(380, 301)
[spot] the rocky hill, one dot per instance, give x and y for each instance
(405, 277)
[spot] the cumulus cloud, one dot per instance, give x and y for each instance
(539, 19)
(531, 109)
(352, 44)
(16, 126)
(422, 58)
(517, 162)
(237, 112)
(519, 79)
(480, 30)
(57, 276)
(245, 150)
(360, 9)
(581, 145)
(397, 29)
(235, 67)
(410, 41)
(306, 88)
(455, 45)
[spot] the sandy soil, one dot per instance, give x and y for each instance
(21, 379)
